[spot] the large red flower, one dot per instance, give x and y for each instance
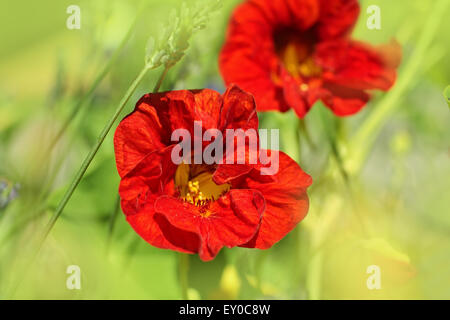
(290, 53)
(199, 208)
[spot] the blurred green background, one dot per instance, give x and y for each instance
(389, 207)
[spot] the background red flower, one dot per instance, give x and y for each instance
(291, 53)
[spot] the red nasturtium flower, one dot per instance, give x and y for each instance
(199, 208)
(291, 53)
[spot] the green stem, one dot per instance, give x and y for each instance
(366, 136)
(161, 78)
(87, 161)
(298, 142)
(78, 106)
(339, 165)
(335, 152)
(131, 250)
(183, 268)
(113, 219)
(303, 128)
(81, 102)
(314, 280)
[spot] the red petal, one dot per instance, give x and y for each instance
(139, 190)
(179, 109)
(156, 230)
(248, 56)
(291, 13)
(300, 101)
(149, 176)
(234, 220)
(156, 116)
(238, 111)
(228, 172)
(344, 101)
(207, 107)
(337, 18)
(251, 67)
(136, 136)
(355, 65)
(286, 201)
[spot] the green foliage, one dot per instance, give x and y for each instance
(393, 213)
(447, 95)
(173, 42)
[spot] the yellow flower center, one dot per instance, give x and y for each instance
(196, 186)
(194, 195)
(295, 51)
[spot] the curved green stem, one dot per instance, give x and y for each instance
(366, 136)
(314, 280)
(183, 268)
(78, 106)
(87, 161)
(303, 128)
(161, 78)
(112, 221)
